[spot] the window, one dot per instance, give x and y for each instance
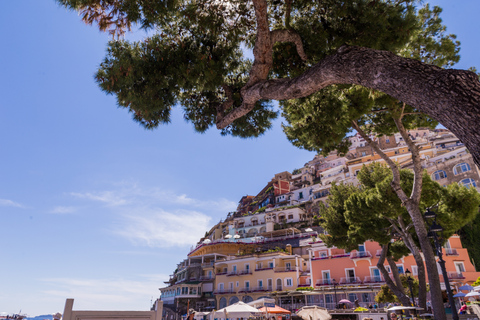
(288, 266)
(247, 284)
(364, 153)
(439, 174)
(237, 284)
(415, 270)
(300, 195)
(352, 297)
(220, 286)
(387, 140)
(468, 182)
(459, 267)
(290, 216)
(260, 283)
(400, 269)
(361, 248)
(460, 168)
(270, 264)
(288, 282)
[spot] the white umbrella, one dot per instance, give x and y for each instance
(314, 313)
(472, 294)
(228, 236)
(236, 310)
(308, 230)
(237, 236)
(206, 241)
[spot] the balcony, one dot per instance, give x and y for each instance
(224, 291)
(245, 271)
(360, 254)
(278, 288)
(232, 273)
(373, 279)
(220, 273)
(379, 253)
(321, 257)
(323, 282)
(283, 269)
(261, 289)
(208, 264)
(245, 289)
(350, 280)
(207, 278)
(455, 275)
(340, 255)
(451, 252)
(262, 269)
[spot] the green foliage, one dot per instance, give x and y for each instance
(322, 121)
(470, 240)
(386, 295)
(476, 283)
(304, 289)
(356, 214)
(196, 51)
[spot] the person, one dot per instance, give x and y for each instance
(381, 318)
(393, 316)
(463, 309)
(356, 303)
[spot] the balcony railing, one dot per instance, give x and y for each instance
(208, 264)
(451, 252)
(246, 271)
(262, 269)
(455, 275)
(224, 291)
(260, 289)
(278, 288)
(379, 253)
(373, 279)
(232, 273)
(245, 289)
(350, 280)
(323, 282)
(283, 269)
(340, 255)
(206, 278)
(220, 273)
(360, 254)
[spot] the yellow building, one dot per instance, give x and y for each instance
(253, 276)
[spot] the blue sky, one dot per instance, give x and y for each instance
(92, 206)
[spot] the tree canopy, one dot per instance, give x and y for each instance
(195, 59)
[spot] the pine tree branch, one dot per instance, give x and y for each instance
(395, 171)
(282, 35)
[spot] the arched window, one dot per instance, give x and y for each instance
(468, 182)
(439, 174)
(233, 300)
(223, 303)
(247, 299)
(460, 168)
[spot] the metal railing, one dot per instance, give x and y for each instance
(284, 269)
(455, 275)
(323, 282)
(451, 252)
(245, 289)
(360, 254)
(373, 279)
(350, 280)
(224, 291)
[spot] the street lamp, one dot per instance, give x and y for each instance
(410, 283)
(432, 233)
(335, 291)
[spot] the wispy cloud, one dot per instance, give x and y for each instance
(110, 198)
(157, 218)
(10, 203)
(163, 229)
(63, 210)
(114, 294)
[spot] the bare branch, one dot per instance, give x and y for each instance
(282, 35)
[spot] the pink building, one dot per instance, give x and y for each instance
(355, 276)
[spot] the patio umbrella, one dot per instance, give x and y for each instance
(236, 310)
(314, 313)
(472, 294)
(228, 236)
(236, 236)
(460, 295)
(466, 287)
(276, 309)
(344, 301)
(207, 241)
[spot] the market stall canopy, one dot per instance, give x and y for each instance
(275, 309)
(314, 313)
(261, 302)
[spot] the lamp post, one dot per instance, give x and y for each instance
(432, 233)
(335, 291)
(410, 283)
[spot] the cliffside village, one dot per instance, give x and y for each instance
(269, 247)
